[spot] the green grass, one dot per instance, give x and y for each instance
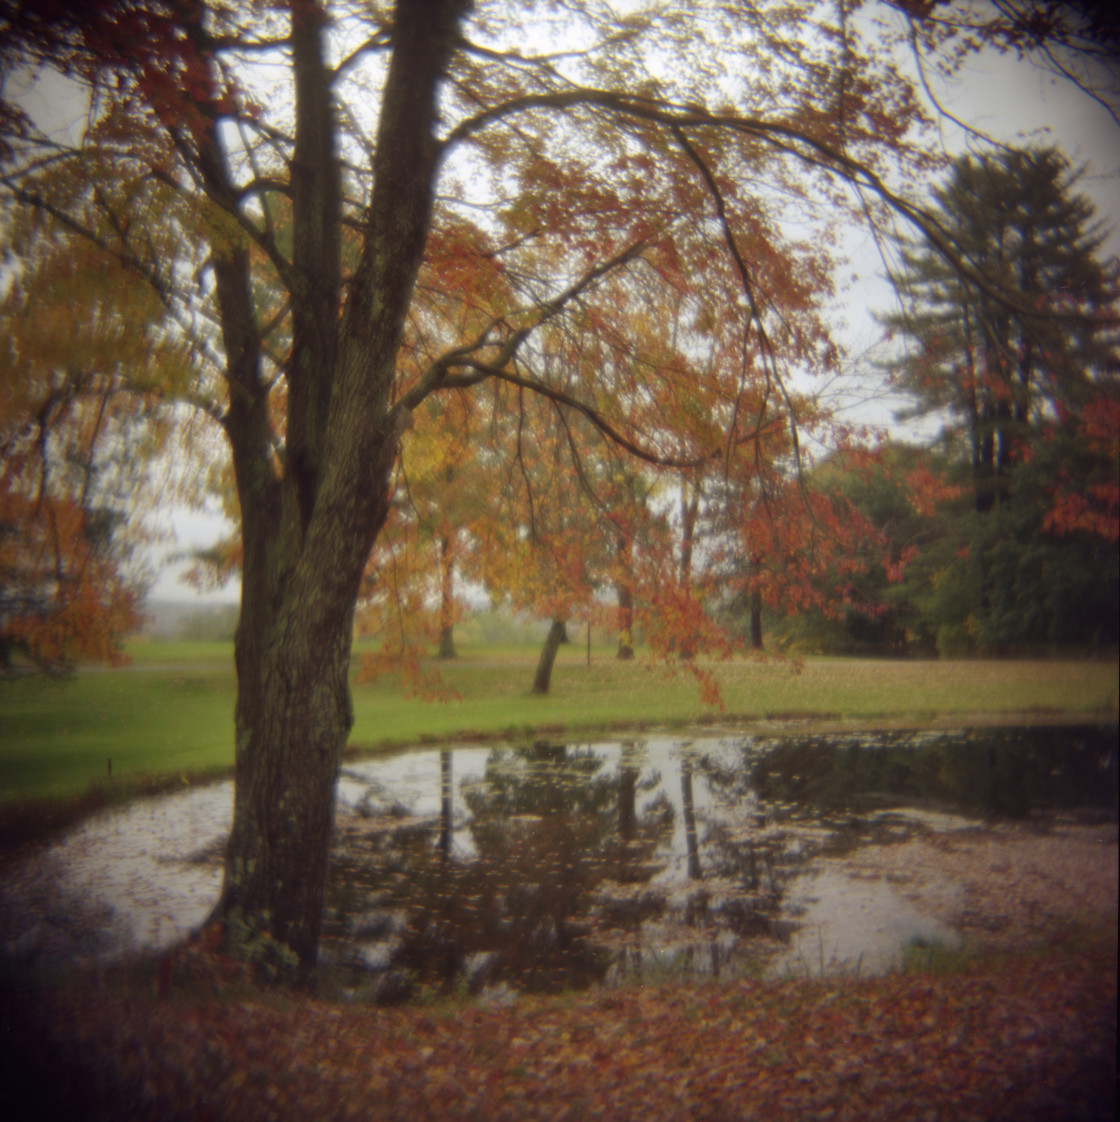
(59, 736)
(171, 713)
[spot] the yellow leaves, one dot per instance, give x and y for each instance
(77, 323)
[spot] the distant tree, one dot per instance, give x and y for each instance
(83, 353)
(907, 508)
(1037, 340)
(1021, 359)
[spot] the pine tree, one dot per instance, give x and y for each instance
(1025, 340)
(1017, 356)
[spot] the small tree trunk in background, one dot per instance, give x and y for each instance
(447, 599)
(625, 591)
(756, 620)
(625, 622)
(557, 634)
(690, 509)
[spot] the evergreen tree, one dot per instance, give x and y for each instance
(1028, 338)
(1017, 356)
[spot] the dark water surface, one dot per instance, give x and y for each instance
(552, 866)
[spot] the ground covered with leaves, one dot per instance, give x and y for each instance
(1019, 1024)
(1021, 1036)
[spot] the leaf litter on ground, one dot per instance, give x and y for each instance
(1019, 1036)
(1022, 1026)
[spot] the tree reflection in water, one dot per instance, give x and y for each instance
(562, 862)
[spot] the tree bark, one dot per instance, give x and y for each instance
(625, 622)
(557, 634)
(309, 524)
(292, 721)
(625, 593)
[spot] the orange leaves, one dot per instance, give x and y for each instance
(62, 598)
(1095, 511)
(78, 422)
(926, 491)
(1029, 1037)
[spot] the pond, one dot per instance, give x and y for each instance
(503, 869)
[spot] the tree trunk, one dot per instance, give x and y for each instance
(292, 721)
(308, 529)
(625, 622)
(557, 634)
(690, 509)
(446, 599)
(756, 619)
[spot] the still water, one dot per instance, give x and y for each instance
(558, 865)
(537, 867)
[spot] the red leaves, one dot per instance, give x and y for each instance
(1028, 1038)
(1091, 505)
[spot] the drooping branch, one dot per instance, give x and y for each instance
(766, 349)
(782, 137)
(543, 389)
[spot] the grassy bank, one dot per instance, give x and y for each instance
(171, 713)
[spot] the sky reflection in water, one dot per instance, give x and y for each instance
(557, 865)
(548, 865)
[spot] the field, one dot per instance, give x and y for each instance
(170, 714)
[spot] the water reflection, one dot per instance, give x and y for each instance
(1008, 771)
(552, 865)
(559, 865)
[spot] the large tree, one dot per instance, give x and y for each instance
(1023, 366)
(232, 151)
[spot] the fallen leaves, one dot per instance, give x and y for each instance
(1025, 1037)
(1005, 885)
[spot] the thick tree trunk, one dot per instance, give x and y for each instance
(292, 721)
(308, 528)
(557, 634)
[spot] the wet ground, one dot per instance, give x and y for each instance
(501, 869)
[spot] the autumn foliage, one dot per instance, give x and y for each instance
(341, 214)
(80, 420)
(1029, 1039)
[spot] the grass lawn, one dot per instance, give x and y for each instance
(171, 712)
